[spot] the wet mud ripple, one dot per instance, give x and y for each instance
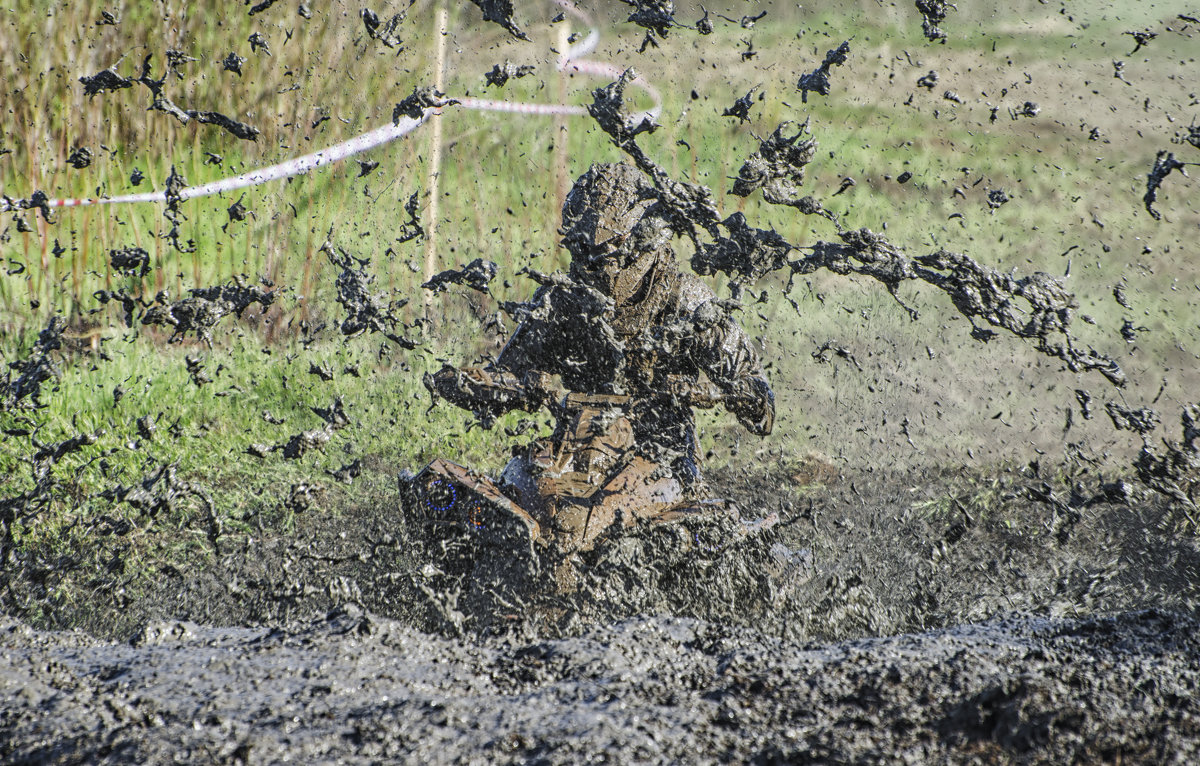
(355, 687)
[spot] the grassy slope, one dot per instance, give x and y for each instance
(499, 180)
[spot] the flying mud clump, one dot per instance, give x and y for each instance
(39, 201)
(105, 80)
(1140, 38)
(18, 508)
(411, 229)
(818, 79)
(933, 13)
(1176, 473)
(1192, 137)
(39, 367)
(1036, 307)
(109, 80)
(777, 167)
(741, 107)
(415, 104)
(233, 63)
(131, 261)
(161, 491)
(366, 311)
(257, 42)
(206, 306)
(655, 16)
(80, 158)
(1141, 421)
(297, 446)
(1164, 164)
(476, 275)
(501, 74)
(174, 199)
(237, 213)
(260, 7)
(501, 12)
(384, 32)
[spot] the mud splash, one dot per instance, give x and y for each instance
(1036, 307)
(725, 662)
(400, 659)
(367, 311)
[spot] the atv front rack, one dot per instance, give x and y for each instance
(455, 506)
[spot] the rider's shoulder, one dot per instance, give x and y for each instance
(552, 296)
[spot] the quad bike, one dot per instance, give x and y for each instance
(561, 500)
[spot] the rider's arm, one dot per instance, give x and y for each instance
(511, 382)
(727, 355)
(489, 392)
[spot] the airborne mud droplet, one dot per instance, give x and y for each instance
(933, 13)
(1164, 164)
(818, 79)
(501, 74)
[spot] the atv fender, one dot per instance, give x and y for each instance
(446, 500)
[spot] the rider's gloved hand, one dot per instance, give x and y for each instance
(445, 383)
(753, 402)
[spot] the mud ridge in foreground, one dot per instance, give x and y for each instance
(354, 687)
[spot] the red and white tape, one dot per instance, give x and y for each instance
(573, 61)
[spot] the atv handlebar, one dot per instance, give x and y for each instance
(498, 390)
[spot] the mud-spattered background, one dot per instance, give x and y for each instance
(988, 547)
(898, 637)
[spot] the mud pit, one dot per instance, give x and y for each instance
(896, 635)
(1010, 612)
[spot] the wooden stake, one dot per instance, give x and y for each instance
(561, 129)
(435, 159)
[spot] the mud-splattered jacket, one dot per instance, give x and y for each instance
(654, 352)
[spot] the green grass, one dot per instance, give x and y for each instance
(960, 402)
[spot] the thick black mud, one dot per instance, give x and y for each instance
(353, 687)
(889, 617)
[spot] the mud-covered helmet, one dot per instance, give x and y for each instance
(613, 229)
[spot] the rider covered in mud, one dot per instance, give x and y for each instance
(636, 344)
